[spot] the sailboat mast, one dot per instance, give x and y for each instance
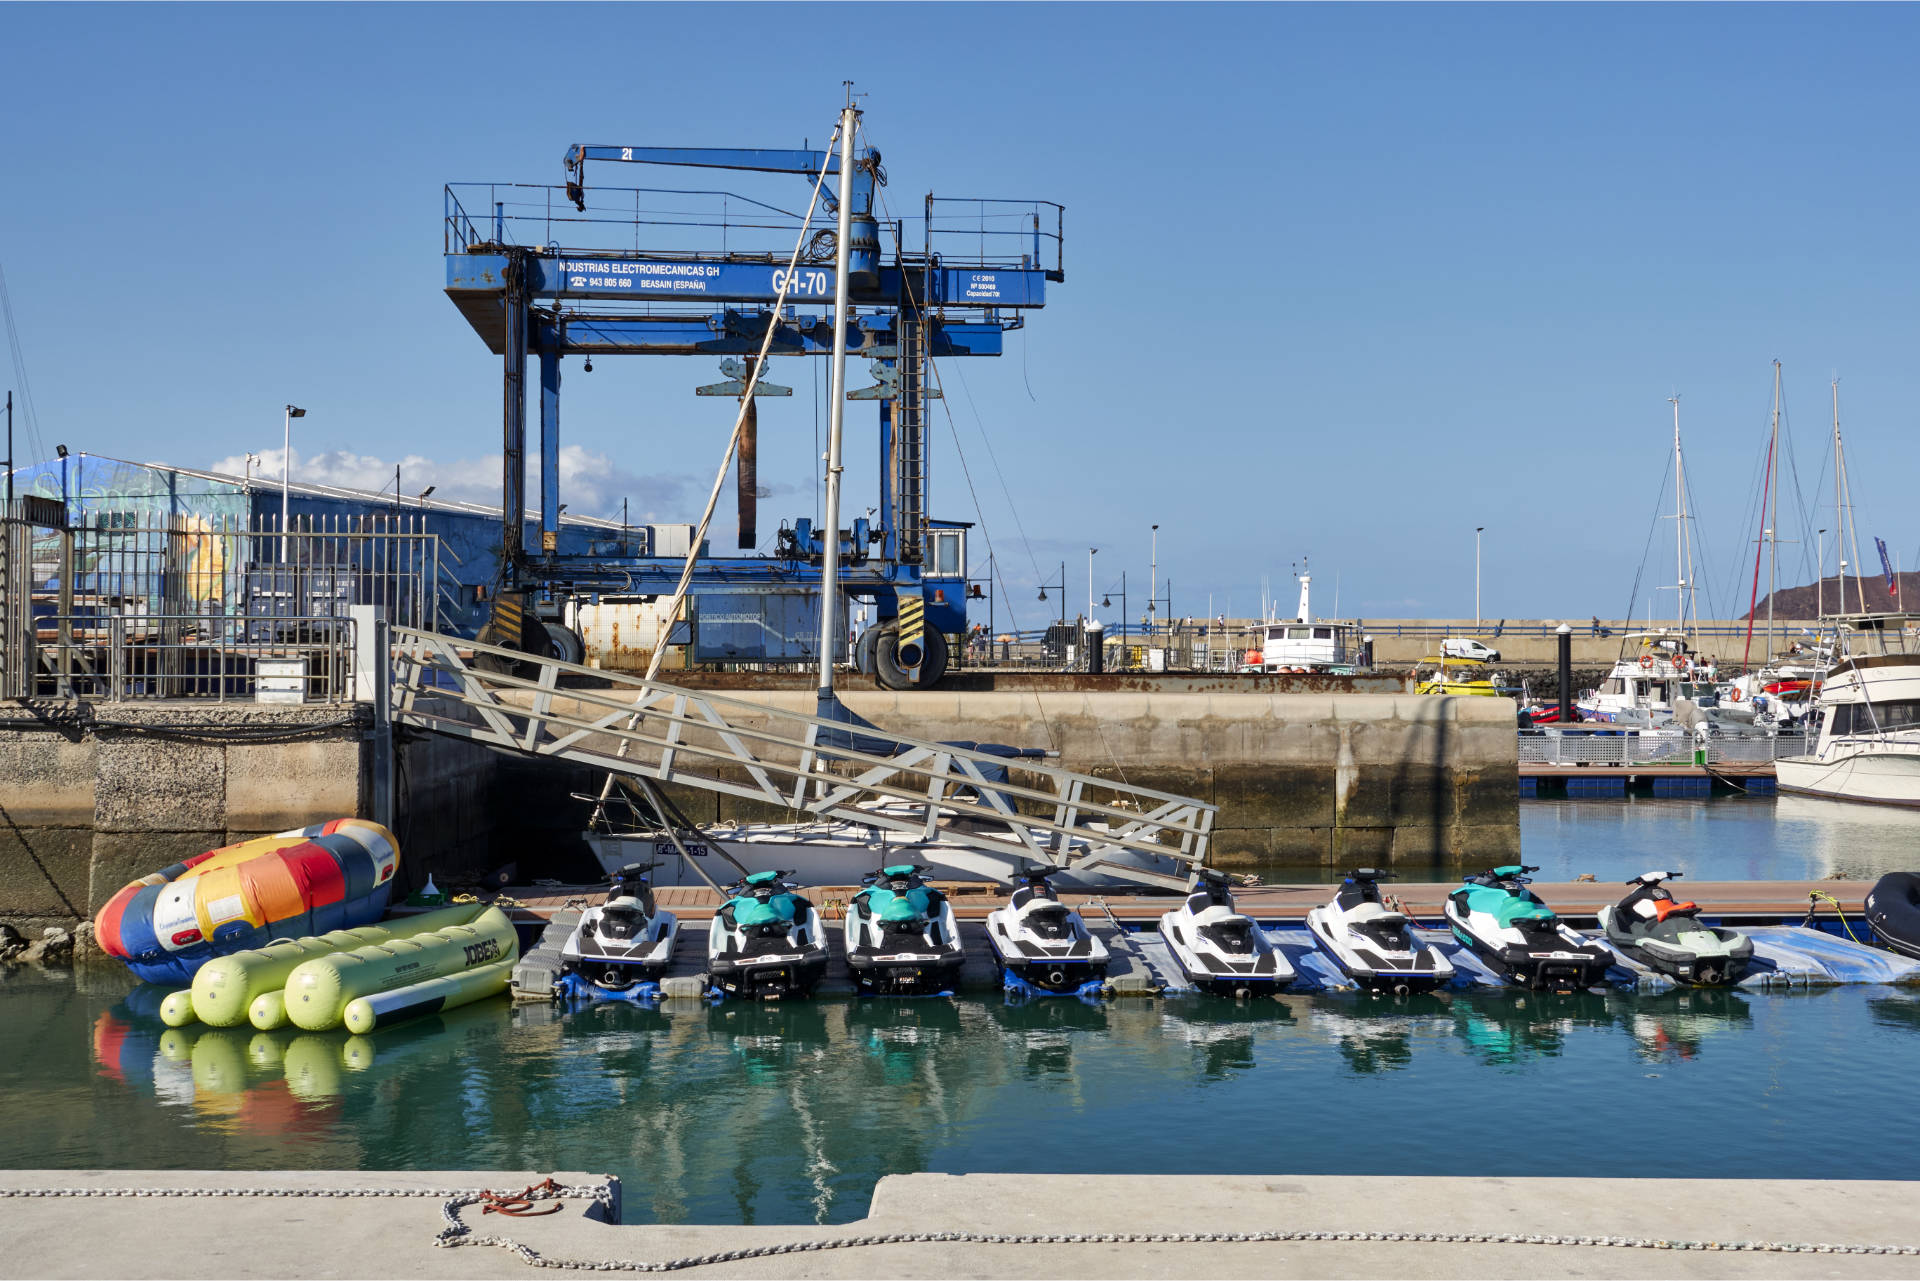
(1679, 526)
(1849, 526)
(1839, 503)
(1773, 521)
(836, 409)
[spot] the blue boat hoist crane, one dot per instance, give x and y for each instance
(980, 265)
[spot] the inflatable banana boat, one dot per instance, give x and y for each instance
(331, 876)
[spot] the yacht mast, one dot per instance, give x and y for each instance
(1682, 545)
(1849, 529)
(836, 402)
(1773, 522)
(1839, 503)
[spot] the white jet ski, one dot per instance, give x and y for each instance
(1371, 943)
(1041, 943)
(767, 941)
(626, 941)
(1216, 947)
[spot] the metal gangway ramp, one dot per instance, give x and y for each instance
(810, 767)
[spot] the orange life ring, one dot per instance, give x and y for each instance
(1646, 661)
(1733, 695)
(1680, 664)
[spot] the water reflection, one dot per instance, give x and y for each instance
(1673, 1026)
(1376, 1034)
(1222, 1032)
(1506, 1029)
(791, 1112)
(1047, 1030)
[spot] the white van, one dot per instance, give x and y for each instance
(1467, 647)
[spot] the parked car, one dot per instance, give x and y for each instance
(1467, 647)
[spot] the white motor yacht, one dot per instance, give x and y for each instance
(1866, 720)
(1654, 668)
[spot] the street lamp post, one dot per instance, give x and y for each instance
(1153, 583)
(1477, 531)
(1060, 637)
(1091, 553)
(286, 463)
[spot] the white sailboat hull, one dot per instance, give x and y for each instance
(843, 853)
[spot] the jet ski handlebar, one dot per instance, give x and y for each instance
(1653, 878)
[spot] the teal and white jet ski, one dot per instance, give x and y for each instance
(1502, 922)
(767, 941)
(902, 939)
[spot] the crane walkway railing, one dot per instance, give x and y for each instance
(803, 764)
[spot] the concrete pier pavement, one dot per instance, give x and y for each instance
(302, 1235)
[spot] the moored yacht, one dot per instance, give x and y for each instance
(1654, 669)
(1867, 719)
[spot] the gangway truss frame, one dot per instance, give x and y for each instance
(802, 763)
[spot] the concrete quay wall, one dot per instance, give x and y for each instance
(1333, 779)
(94, 798)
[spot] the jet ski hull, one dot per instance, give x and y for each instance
(1724, 963)
(1378, 971)
(1559, 968)
(1063, 970)
(1263, 970)
(614, 965)
(766, 968)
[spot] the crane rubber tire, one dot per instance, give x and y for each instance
(888, 673)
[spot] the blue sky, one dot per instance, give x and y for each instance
(1341, 281)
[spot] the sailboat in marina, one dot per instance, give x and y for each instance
(1866, 715)
(1660, 670)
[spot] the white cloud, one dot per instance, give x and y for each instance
(591, 484)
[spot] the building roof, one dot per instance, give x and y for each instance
(258, 484)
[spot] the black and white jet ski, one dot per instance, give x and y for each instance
(1504, 924)
(767, 941)
(1649, 926)
(1371, 943)
(1042, 944)
(1216, 947)
(622, 945)
(902, 939)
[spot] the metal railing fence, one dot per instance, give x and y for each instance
(247, 657)
(1633, 747)
(121, 604)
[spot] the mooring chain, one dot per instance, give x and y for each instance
(457, 1233)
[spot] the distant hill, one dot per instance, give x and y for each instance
(1806, 602)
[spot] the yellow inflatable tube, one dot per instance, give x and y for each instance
(318, 991)
(224, 988)
(370, 1013)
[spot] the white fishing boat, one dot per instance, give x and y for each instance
(1309, 644)
(1867, 719)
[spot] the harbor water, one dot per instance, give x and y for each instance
(791, 1113)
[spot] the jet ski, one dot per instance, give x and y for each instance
(1500, 921)
(902, 939)
(621, 946)
(1218, 949)
(1371, 943)
(1653, 929)
(1040, 943)
(767, 941)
